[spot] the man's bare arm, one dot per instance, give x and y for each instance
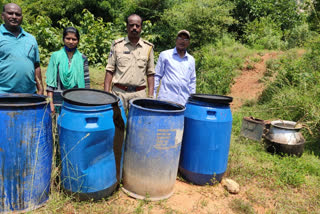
(150, 80)
(107, 81)
(38, 78)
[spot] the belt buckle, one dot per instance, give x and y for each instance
(131, 88)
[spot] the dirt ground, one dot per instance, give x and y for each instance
(248, 86)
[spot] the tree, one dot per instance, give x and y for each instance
(284, 13)
(206, 20)
(109, 10)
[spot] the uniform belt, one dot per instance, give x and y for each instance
(129, 88)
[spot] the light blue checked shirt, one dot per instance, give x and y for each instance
(177, 75)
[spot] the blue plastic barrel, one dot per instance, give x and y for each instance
(86, 136)
(25, 152)
(152, 149)
(206, 138)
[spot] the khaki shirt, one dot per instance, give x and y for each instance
(131, 64)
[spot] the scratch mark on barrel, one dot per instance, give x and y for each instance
(2, 193)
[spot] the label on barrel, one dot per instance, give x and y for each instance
(168, 138)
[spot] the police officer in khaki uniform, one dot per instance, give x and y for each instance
(130, 65)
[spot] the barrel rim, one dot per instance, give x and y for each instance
(88, 104)
(183, 108)
(211, 98)
(22, 95)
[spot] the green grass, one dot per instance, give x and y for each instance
(97, 76)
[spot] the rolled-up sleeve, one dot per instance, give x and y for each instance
(150, 68)
(111, 66)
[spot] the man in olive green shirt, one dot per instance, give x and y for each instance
(130, 65)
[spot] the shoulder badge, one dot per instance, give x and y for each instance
(148, 43)
(114, 44)
(117, 41)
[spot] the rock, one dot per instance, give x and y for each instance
(230, 185)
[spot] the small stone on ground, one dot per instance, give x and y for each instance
(230, 185)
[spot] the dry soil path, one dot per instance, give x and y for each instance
(248, 85)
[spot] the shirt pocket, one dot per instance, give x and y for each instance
(142, 62)
(29, 50)
(123, 60)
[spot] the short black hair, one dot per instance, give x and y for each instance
(71, 30)
(127, 20)
(4, 7)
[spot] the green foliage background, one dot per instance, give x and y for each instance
(261, 24)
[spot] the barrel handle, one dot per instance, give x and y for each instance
(211, 115)
(92, 122)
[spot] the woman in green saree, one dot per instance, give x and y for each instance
(67, 69)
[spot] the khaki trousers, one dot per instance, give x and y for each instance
(127, 96)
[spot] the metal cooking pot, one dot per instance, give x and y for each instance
(284, 137)
(286, 132)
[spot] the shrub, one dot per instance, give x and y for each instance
(297, 36)
(285, 12)
(264, 34)
(217, 65)
(207, 20)
(49, 38)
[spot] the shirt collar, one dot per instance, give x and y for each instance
(4, 30)
(175, 52)
(126, 39)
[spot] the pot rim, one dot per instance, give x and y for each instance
(277, 124)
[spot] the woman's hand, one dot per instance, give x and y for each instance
(50, 95)
(52, 108)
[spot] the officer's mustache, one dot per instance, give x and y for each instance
(134, 31)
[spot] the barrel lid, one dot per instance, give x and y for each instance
(88, 97)
(210, 98)
(21, 99)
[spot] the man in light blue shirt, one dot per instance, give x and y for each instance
(176, 70)
(19, 55)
